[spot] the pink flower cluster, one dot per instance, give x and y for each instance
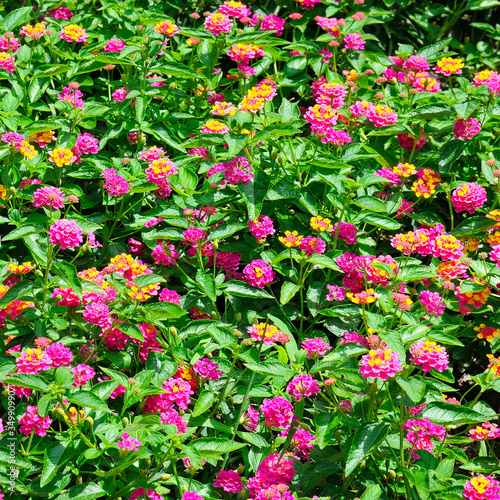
(229, 481)
(115, 185)
(380, 363)
(302, 386)
(50, 197)
(278, 412)
(258, 273)
(429, 355)
(482, 488)
(207, 370)
(261, 227)
(128, 443)
(82, 374)
(468, 197)
(31, 421)
(420, 434)
(315, 347)
(466, 129)
(235, 171)
(486, 430)
(431, 302)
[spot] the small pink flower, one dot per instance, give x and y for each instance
(380, 363)
(312, 245)
(229, 481)
(114, 45)
(235, 9)
(354, 41)
(128, 443)
(487, 430)
(120, 94)
(33, 361)
(250, 419)
(261, 227)
(469, 197)
(429, 355)
(172, 296)
(59, 354)
(315, 347)
(466, 129)
(207, 370)
(278, 412)
(82, 374)
(347, 232)
(302, 386)
(416, 63)
(258, 273)
(50, 197)
(218, 23)
(336, 293)
(172, 417)
(31, 421)
(431, 302)
(482, 488)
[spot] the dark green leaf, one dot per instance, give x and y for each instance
(367, 437)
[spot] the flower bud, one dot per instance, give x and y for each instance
(9, 35)
(79, 480)
(125, 422)
(165, 477)
(173, 331)
(238, 319)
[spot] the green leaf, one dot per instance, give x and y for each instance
(271, 368)
(46, 70)
(148, 279)
(178, 70)
(43, 126)
(91, 453)
(86, 399)
(165, 310)
(448, 414)
(87, 491)
(473, 225)
(412, 272)
(160, 133)
(431, 112)
(371, 203)
(288, 290)
(68, 273)
(368, 436)
(430, 51)
(450, 153)
(34, 382)
(113, 59)
(16, 18)
(16, 291)
(414, 387)
(209, 446)
(381, 221)
(52, 460)
(132, 331)
(373, 492)
(275, 132)
(207, 284)
(254, 438)
(254, 194)
(225, 230)
(241, 289)
(22, 231)
(322, 261)
(205, 400)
